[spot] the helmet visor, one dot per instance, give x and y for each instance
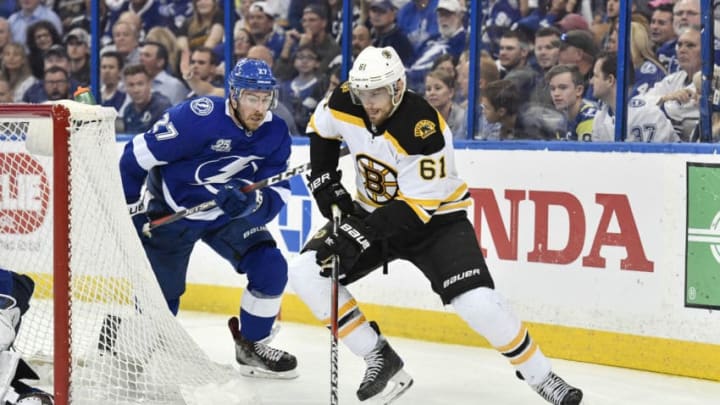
(377, 96)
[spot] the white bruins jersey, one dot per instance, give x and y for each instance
(645, 123)
(410, 157)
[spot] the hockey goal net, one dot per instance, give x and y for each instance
(63, 221)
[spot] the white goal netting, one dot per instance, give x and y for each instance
(126, 347)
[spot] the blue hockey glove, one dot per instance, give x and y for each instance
(353, 238)
(327, 190)
(236, 203)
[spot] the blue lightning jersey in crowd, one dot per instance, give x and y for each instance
(195, 148)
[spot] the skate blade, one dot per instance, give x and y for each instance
(396, 387)
(257, 372)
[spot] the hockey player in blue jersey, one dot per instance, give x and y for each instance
(207, 149)
(15, 292)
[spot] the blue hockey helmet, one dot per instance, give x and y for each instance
(252, 74)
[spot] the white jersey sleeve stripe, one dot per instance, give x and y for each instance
(143, 155)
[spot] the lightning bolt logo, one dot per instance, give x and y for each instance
(222, 170)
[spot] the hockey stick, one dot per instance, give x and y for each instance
(169, 219)
(334, 279)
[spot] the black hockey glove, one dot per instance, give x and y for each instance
(353, 238)
(236, 203)
(328, 190)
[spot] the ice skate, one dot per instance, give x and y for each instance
(385, 380)
(257, 359)
(556, 391)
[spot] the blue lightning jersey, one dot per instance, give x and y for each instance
(195, 148)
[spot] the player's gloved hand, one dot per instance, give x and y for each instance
(353, 238)
(137, 213)
(236, 203)
(328, 190)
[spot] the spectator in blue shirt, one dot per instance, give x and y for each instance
(145, 107)
(31, 11)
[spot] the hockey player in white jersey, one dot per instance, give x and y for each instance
(206, 149)
(15, 292)
(410, 205)
(645, 120)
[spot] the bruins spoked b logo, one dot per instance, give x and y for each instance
(379, 180)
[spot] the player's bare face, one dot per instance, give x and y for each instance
(253, 107)
(377, 104)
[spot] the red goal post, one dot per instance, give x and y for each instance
(63, 221)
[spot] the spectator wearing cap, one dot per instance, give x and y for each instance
(418, 19)
(385, 31)
(577, 47)
(450, 40)
(55, 56)
(205, 27)
(16, 70)
(78, 49)
(503, 14)
(40, 37)
(261, 23)
(111, 66)
(686, 13)
(154, 56)
(31, 11)
(661, 27)
(314, 35)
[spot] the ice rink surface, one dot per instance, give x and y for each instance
(444, 374)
